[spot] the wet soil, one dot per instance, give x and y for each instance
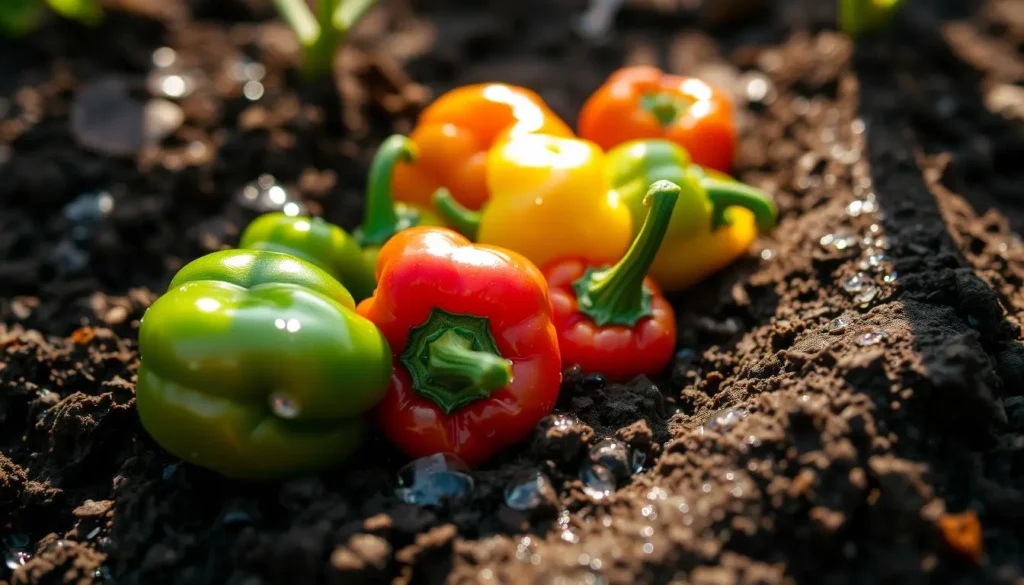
(870, 348)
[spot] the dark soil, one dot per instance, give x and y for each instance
(885, 412)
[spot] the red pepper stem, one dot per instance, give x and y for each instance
(464, 220)
(617, 295)
(478, 373)
(381, 220)
(726, 194)
(454, 360)
(665, 107)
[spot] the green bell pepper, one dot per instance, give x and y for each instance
(715, 218)
(254, 364)
(316, 241)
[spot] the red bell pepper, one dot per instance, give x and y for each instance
(475, 353)
(615, 321)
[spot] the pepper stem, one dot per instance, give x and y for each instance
(381, 221)
(453, 360)
(464, 220)
(726, 194)
(617, 295)
(665, 107)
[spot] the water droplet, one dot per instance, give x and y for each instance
(648, 548)
(598, 481)
(171, 83)
(890, 277)
(245, 69)
(866, 296)
(840, 240)
(16, 557)
(89, 208)
(253, 90)
(613, 455)
(527, 491)
(973, 321)
(722, 420)
(240, 512)
(594, 381)
(861, 206)
(639, 458)
(561, 422)
(107, 117)
(856, 283)
(164, 57)
(874, 262)
(838, 324)
(871, 337)
(16, 540)
(265, 195)
(93, 533)
(429, 481)
(767, 254)
(686, 354)
(284, 406)
(758, 87)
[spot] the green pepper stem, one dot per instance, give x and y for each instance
(464, 220)
(88, 12)
(381, 220)
(475, 373)
(617, 295)
(726, 194)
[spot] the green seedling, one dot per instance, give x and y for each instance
(20, 17)
(322, 32)
(857, 17)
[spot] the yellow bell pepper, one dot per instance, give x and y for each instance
(715, 219)
(551, 199)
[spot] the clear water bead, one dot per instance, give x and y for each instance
(856, 283)
(724, 419)
(866, 296)
(526, 490)
(598, 481)
(613, 455)
(838, 324)
(429, 481)
(871, 337)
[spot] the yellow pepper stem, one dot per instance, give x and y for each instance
(381, 220)
(726, 194)
(464, 220)
(617, 295)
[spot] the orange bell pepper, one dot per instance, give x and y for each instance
(455, 132)
(644, 102)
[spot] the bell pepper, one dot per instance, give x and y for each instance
(317, 242)
(455, 132)
(644, 102)
(715, 219)
(255, 365)
(858, 17)
(384, 216)
(550, 198)
(614, 320)
(476, 361)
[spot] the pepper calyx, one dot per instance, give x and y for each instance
(726, 194)
(454, 360)
(383, 218)
(617, 295)
(665, 107)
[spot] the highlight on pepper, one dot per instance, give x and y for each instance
(254, 364)
(476, 357)
(614, 320)
(715, 219)
(858, 17)
(316, 241)
(20, 17)
(550, 198)
(454, 133)
(383, 215)
(645, 102)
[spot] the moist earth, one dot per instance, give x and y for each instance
(846, 404)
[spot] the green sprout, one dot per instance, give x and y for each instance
(857, 17)
(20, 17)
(320, 34)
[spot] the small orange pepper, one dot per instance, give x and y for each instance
(645, 102)
(455, 132)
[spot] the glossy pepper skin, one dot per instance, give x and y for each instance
(476, 361)
(614, 320)
(455, 132)
(644, 102)
(383, 216)
(317, 242)
(714, 222)
(550, 198)
(255, 365)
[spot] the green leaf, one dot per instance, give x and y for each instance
(87, 12)
(19, 17)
